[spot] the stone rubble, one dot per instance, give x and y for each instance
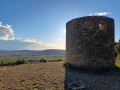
(76, 85)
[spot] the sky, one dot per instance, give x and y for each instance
(41, 24)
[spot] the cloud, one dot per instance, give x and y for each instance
(55, 46)
(33, 41)
(6, 32)
(28, 44)
(100, 14)
(9, 42)
(0, 23)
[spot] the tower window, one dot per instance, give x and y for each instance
(101, 26)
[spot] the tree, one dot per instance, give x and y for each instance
(118, 47)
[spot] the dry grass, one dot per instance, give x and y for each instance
(51, 76)
(117, 63)
(41, 76)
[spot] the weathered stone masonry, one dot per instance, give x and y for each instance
(90, 42)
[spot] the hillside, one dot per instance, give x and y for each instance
(44, 52)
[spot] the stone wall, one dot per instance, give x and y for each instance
(87, 46)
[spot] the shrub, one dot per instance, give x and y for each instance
(117, 47)
(22, 61)
(118, 57)
(43, 60)
(35, 62)
(64, 64)
(59, 59)
(55, 59)
(12, 63)
(3, 63)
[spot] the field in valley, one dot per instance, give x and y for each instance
(31, 55)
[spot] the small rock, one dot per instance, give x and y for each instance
(76, 85)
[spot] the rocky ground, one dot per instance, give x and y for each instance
(93, 80)
(51, 76)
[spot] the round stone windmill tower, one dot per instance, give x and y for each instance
(90, 42)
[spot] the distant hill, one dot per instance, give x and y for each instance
(44, 52)
(53, 51)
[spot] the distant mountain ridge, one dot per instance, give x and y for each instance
(44, 52)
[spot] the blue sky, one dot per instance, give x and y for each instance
(40, 24)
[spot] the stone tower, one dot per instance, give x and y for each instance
(90, 42)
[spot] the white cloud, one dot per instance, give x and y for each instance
(34, 41)
(55, 46)
(100, 13)
(6, 32)
(28, 44)
(0, 23)
(9, 42)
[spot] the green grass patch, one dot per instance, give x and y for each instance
(117, 63)
(118, 57)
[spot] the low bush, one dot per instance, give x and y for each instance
(55, 59)
(23, 61)
(18, 62)
(35, 62)
(64, 64)
(118, 57)
(12, 63)
(3, 63)
(43, 60)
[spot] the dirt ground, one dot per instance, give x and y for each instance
(41, 76)
(51, 76)
(95, 80)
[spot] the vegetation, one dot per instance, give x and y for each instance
(23, 57)
(117, 49)
(27, 56)
(117, 63)
(18, 62)
(30, 55)
(23, 61)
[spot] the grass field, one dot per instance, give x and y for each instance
(40, 76)
(27, 57)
